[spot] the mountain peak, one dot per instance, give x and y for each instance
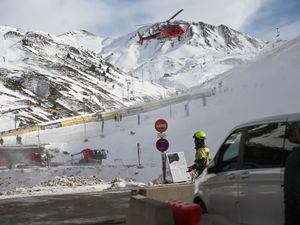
(202, 47)
(78, 32)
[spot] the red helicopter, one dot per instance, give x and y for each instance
(165, 31)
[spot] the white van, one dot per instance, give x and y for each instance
(244, 182)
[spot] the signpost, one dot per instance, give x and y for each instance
(162, 144)
(177, 165)
(161, 125)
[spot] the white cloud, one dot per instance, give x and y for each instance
(58, 16)
(287, 31)
(230, 12)
(53, 16)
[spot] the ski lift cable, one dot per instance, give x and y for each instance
(290, 22)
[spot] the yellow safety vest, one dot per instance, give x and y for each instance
(203, 153)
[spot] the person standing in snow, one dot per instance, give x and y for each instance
(19, 139)
(202, 156)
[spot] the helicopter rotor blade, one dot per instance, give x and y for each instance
(145, 24)
(175, 15)
(139, 25)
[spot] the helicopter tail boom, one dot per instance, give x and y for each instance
(140, 38)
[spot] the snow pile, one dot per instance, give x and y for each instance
(71, 184)
(73, 181)
(121, 183)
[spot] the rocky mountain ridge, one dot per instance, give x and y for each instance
(40, 71)
(79, 72)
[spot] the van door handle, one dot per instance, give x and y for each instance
(231, 176)
(244, 175)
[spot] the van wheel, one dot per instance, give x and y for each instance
(202, 205)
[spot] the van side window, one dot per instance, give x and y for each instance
(229, 152)
(292, 139)
(264, 145)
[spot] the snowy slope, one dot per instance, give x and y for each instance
(83, 39)
(80, 72)
(39, 70)
(265, 86)
(200, 54)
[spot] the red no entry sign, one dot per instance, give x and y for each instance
(162, 144)
(161, 125)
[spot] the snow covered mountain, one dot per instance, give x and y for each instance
(200, 54)
(79, 72)
(39, 70)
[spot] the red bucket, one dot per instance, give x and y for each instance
(185, 213)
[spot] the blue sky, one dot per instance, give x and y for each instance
(105, 18)
(284, 15)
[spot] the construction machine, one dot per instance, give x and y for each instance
(91, 155)
(23, 156)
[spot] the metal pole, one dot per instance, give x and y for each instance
(139, 119)
(163, 158)
(15, 121)
(38, 136)
(187, 110)
(138, 150)
(102, 128)
(204, 101)
(85, 137)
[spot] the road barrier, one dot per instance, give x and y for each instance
(78, 120)
(146, 211)
(152, 206)
(183, 192)
(133, 110)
